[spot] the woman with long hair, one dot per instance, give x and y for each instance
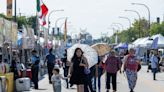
(77, 75)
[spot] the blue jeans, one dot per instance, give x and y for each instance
(100, 72)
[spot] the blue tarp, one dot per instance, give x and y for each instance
(122, 46)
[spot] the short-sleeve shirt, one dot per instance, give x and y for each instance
(51, 58)
(154, 61)
(56, 80)
(34, 59)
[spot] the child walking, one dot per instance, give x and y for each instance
(56, 80)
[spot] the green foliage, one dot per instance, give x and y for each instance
(3, 16)
(139, 29)
(21, 21)
(157, 28)
(31, 21)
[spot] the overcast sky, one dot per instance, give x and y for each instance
(95, 15)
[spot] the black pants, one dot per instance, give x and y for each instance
(154, 70)
(35, 71)
(50, 68)
(66, 75)
(88, 84)
(114, 77)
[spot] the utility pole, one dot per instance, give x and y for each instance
(15, 17)
(20, 14)
(163, 17)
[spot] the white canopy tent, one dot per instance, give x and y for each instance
(142, 42)
(147, 41)
(160, 40)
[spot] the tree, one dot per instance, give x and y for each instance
(157, 28)
(21, 21)
(32, 21)
(131, 34)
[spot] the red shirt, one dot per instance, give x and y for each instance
(132, 63)
(112, 64)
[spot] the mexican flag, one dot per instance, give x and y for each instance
(42, 11)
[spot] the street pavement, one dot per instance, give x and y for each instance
(145, 83)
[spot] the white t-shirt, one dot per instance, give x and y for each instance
(56, 80)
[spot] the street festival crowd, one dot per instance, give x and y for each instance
(78, 71)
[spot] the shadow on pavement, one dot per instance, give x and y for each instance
(42, 89)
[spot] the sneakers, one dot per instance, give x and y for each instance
(131, 90)
(50, 82)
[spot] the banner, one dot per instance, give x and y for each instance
(9, 8)
(31, 41)
(28, 40)
(46, 36)
(14, 34)
(7, 30)
(1, 31)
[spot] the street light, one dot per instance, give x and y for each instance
(114, 33)
(148, 11)
(126, 19)
(112, 25)
(139, 20)
(53, 11)
(118, 24)
(58, 20)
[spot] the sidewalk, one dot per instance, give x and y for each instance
(44, 86)
(145, 83)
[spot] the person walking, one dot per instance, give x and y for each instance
(76, 72)
(35, 68)
(50, 59)
(154, 64)
(88, 86)
(131, 63)
(100, 69)
(66, 66)
(112, 64)
(56, 80)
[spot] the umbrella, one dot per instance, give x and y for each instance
(101, 48)
(89, 53)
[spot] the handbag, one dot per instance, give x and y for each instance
(139, 67)
(86, 69)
